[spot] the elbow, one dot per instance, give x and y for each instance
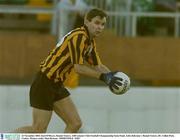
(99, 67)
(77, 68)
(102, 68)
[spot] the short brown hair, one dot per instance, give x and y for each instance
(95, 12)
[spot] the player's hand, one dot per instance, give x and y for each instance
(106, 77)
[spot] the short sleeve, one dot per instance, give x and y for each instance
(76, 46)
(93, 58)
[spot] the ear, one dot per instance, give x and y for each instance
(86, 21)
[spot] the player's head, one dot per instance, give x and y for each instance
(95, 20)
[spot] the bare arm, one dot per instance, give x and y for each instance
(87, 70)
(102, 68)
(94, 72)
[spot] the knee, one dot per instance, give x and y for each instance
(39, 129)
(75, 126)
(78, 125)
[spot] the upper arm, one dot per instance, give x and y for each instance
(77, 67)
(93, 58)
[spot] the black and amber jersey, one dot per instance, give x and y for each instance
(74, 48)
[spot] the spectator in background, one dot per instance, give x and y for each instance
(71, 18)
(165, 25)
(165, 5)
(82, 7)
(145, 25)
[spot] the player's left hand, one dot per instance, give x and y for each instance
(106, 77)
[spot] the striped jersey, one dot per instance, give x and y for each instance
(76, 47)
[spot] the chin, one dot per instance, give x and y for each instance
(96, 35)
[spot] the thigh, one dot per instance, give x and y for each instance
(66, 109)
(41, 118)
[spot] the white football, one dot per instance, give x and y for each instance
(125, 84)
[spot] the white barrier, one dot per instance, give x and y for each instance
(141, 110)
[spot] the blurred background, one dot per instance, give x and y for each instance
(141, 39)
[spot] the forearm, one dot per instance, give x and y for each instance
(87, 71)
(102, 69)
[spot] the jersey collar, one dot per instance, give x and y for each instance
(87, 31)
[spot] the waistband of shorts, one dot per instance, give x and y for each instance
(59, 83)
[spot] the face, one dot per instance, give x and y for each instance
(96, 25)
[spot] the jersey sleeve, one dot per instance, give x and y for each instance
(76, 47)
(93, 58)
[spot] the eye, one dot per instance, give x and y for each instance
(103, 24)
(97, 22)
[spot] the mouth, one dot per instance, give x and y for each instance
(98, 32)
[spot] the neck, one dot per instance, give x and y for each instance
(91, 36)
